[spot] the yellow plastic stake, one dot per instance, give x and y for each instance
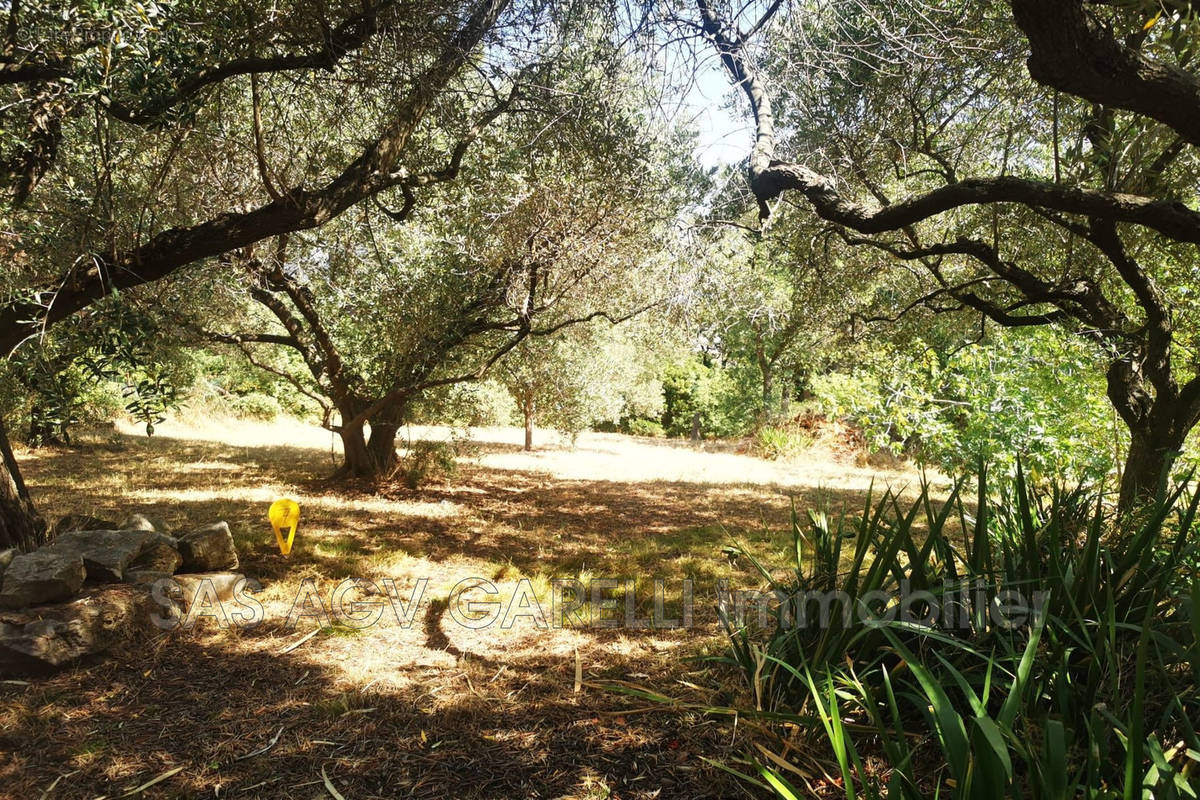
(284, 514)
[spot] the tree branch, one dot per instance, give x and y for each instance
(1078, 299)
(326, 408)
(1072, 52)
(33, 72)
(1173, 220)
(762, 21)
(732, 54)
(260, 156)
(295, 328)
(251, 338)
(770, 178)
(372, 172)
(1189, 396)
(352, 34)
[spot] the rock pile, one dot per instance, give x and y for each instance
(89, 587)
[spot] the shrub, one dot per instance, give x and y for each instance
(428, 460)
(1032, 395)
(1093, 696)
(695, 393)
(256, 406)
(780, 442)
(645, 427)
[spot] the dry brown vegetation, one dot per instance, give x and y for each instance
(433, 709)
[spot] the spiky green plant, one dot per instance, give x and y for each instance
(1093, 696)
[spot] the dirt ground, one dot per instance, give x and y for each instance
(436, 705)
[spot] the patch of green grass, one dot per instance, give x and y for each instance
(352, 702)
(336, 555)
(340, 629)
(706, 554)
(90, 750)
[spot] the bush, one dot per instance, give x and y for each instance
(256, 406)
(645, 427)
(226, 384)
(428, 460)
(695, 393)
(1092, 695)
(1034, 395)
(780, 442)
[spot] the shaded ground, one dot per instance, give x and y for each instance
(428, 709)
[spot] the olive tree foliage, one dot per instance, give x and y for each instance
(150, 176)
(81, 368)
(136, 137)
(1031, 162)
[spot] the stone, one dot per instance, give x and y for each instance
(157, 562)
(140, 522)
(164, 538)
(106, 554)
(80, 522)
(43, 576)
(157, 557)
(146, 577)
(6, 557)
(42, 639)
(208, 549)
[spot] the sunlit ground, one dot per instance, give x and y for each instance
(431, 708)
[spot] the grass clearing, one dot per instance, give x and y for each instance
(430, 708)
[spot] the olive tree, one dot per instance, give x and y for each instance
(137, 142)
(1034, 161)
(587, 374)
(563, 214)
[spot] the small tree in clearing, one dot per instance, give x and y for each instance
(585, 375)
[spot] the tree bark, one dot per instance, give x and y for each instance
(370, 456)
(381, 446)
(1072, 52)
(355, 456)
(768, 388)
(1152, 453)
(20, 525)
(527, 409)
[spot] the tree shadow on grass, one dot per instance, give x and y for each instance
(207, 702)
(459, 717)
(529, 520)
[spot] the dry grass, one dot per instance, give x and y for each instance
(432, 709)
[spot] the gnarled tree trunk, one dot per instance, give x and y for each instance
(370, 456)
(1159, 417)
(354, 451)
(381, 446)
(1152, 453)
(20, 525)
